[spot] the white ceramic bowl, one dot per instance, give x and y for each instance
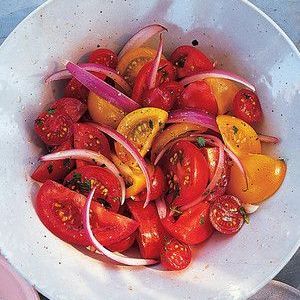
(234, 33)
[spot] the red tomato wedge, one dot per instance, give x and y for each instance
(192, 227)
(55, 170)
(123, 245)
(166, 73)
(226, 214)
(175, 255)
(89, 137)
(198, 95)
(108, 192)
(189, 60)
(60, 210)
(104, 57)
(186, 172)
(150, 232)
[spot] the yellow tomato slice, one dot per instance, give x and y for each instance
(140, 127)
(171, 133)
(132, 61)
(224, 91)
(134, 177)
(238, 136)
(103, 112)
(265, 176)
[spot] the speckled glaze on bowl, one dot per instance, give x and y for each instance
(240, 38)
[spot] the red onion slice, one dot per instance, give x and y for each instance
(268, 139)
(109, 72)
(114, 256)
(132, 150)
(90, 156)
(155, 66)
(141, 37)
(161, 207)
(102, 89)
(217, 74)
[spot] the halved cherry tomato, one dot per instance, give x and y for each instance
(85, 178)
(123, 245)
(163, 96)
(193, 225)
(246, 106)
(166, 73)
(198, 95)
(189, 60)
(104, 57)
(103, 112)
(60, 210)
(140, 127)
(175, 255)
(265, 175)
(225, 214)
(150, 231)
(171, 133)
(133, 176)
(224, 91)
(75, 89)
(212, 157)
(89, 137)
(238, 136)
(132, 61)
(186, 172)
(55, 170)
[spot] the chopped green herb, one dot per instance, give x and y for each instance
(50, 168)
(235, 129)
(151, 125)
(202, 220)
(51, 111)
(39, 122)
(76, 176)
(201, 142)
(245, 215)
(181, 62)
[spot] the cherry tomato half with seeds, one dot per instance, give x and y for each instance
(246, 106)
(175, 255)
(163, 96)
(198, 95)
(104, 57)
(226, 214)
(186, 172)
(189, 60)
(85, 178)
(123, 245)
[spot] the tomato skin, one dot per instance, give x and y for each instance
(89, 137)
(60, 210)
(150, 231)
(225, 214)
(163, 96)
(198, 95)
(123, 245)
(75, 89)
(192, 227)
(189, 60)
(175, 255)
(108, 191)
(166, 73)
(187, 173)
(55, 170)
(246, 106)
(105, 57)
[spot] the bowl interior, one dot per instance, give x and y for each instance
(235, 35)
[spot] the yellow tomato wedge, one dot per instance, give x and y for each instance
(265, 176)
(224, 91)
(103, 112)
(132, 61)
(133, 176)
(140, 127)
(238, 136)
(171, 133)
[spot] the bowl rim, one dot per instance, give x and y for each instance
(295, 50)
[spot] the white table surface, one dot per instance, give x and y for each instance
(286, 13)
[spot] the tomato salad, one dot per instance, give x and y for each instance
(151, 151)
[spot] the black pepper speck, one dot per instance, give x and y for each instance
(195, 43)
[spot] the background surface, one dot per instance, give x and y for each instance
(286, 13)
